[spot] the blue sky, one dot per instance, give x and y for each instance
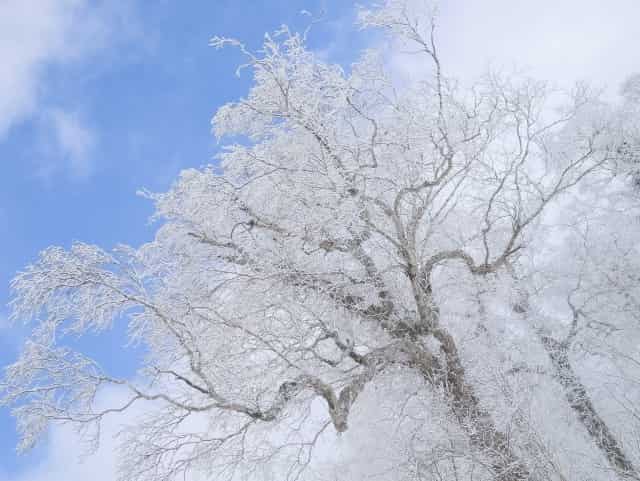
(101, 98)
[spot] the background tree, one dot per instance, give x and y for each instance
(350, 259)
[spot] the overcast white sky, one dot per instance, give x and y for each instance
(557, 40)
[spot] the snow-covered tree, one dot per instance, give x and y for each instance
(412, 281)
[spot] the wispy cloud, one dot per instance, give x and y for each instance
(37, 34)
(74, 142)
(33, 33)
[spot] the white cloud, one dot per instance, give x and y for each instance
(67, 457)
(36, 34)
(73, 140)
(33, 33)
(63, 460)
(558, 41)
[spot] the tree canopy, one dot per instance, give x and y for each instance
(379, 280)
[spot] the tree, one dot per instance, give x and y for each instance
(353, 245)
(629, 128)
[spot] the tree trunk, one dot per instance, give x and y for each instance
(465, 405)
(580, 402)
(475, 420)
